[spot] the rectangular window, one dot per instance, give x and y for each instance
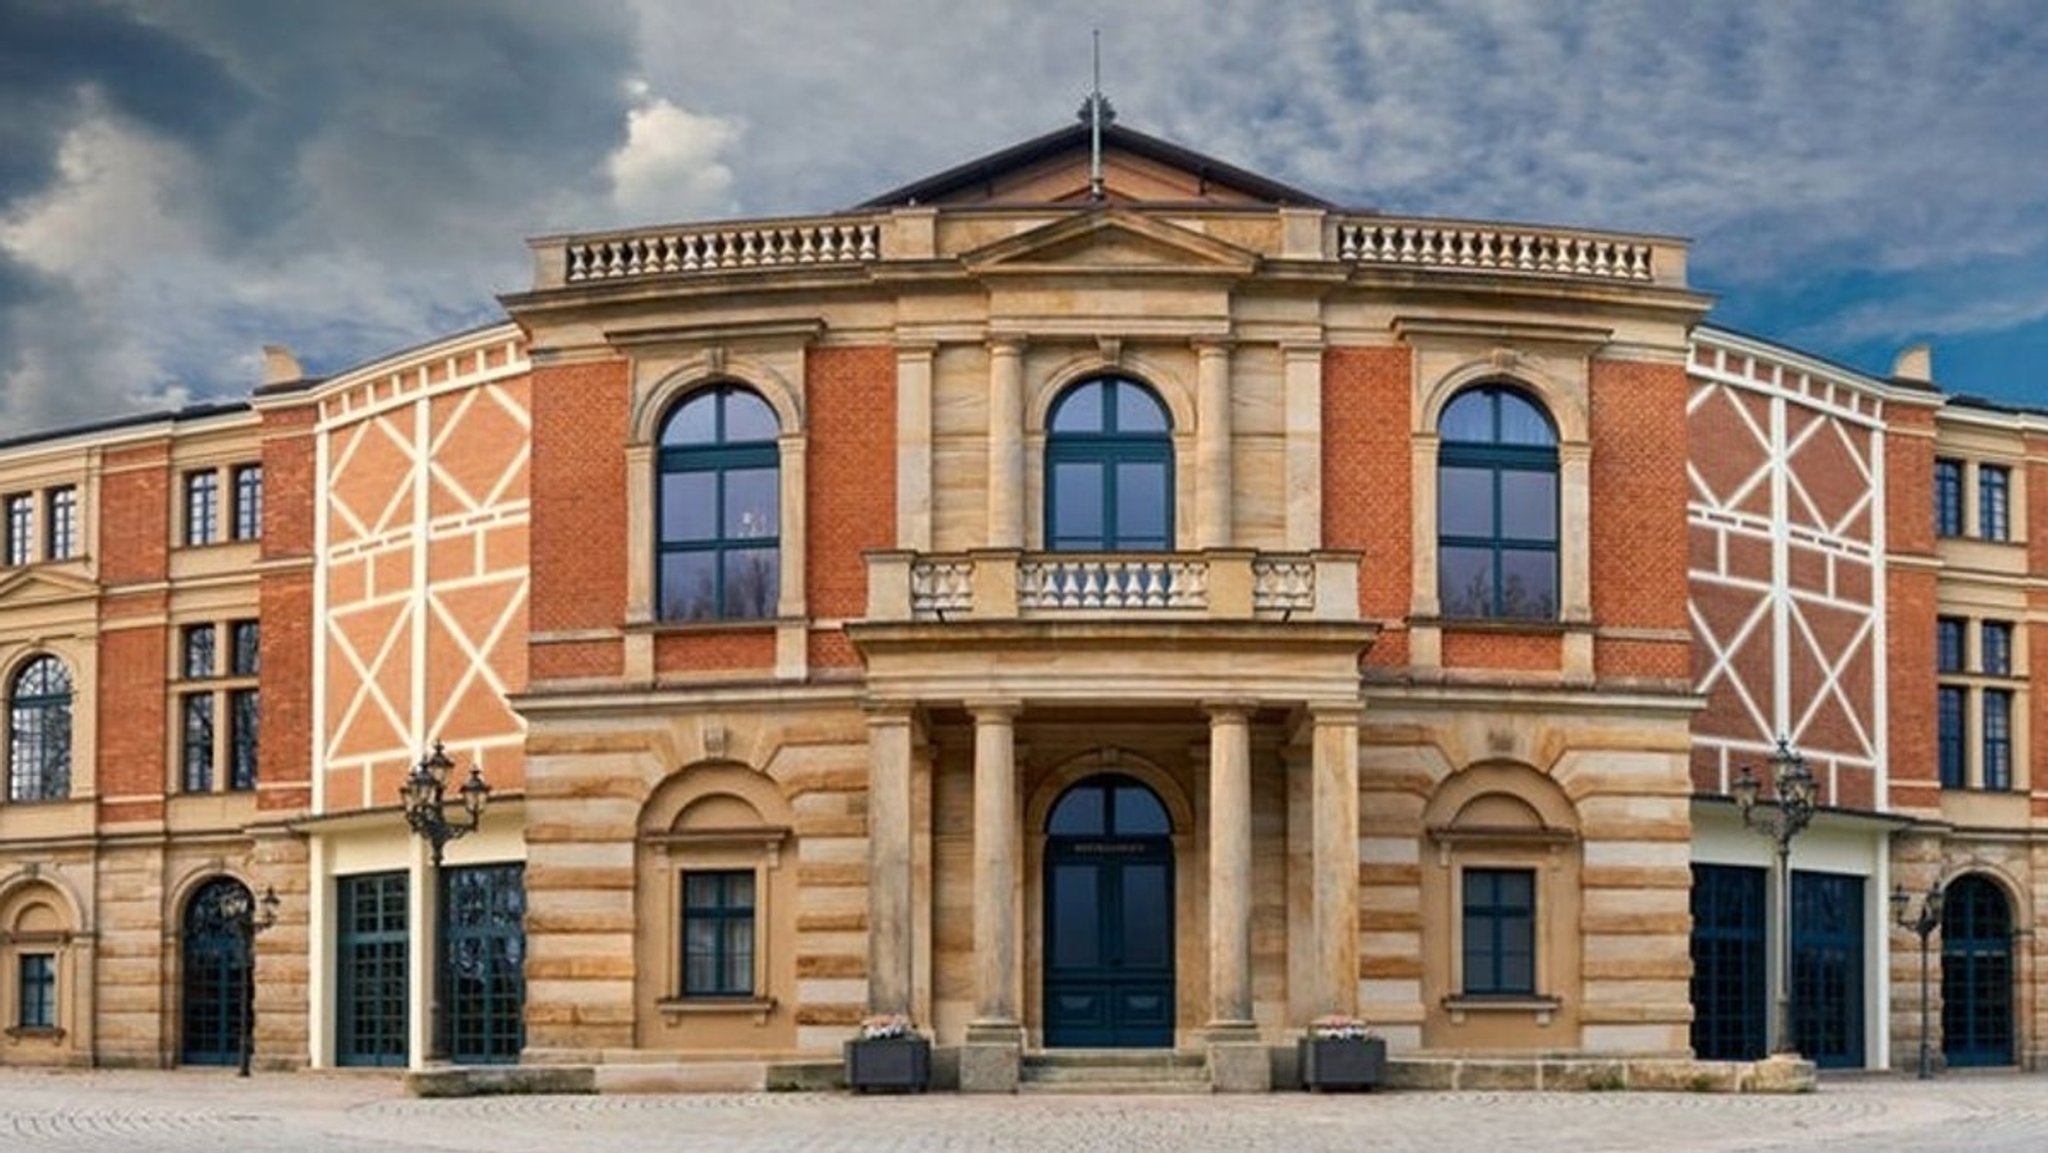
(1994, 482)
(1948, 644)
(248, 657)
(198, 741)
(248, 502)
(1500, 932)
(202, 508)
(1953, 733)
(1996, 654)
(244, 715)
(1997, 739)
(21, 528)
(1948, 497)
(61, 517)
(38, 991)
(199, 646)
(718, 933)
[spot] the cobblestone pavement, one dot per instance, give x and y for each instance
(332, 1113)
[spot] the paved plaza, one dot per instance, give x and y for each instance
(319, 1113)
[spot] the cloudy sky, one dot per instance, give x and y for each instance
(182, 181)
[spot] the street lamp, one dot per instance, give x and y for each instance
(240, 912)
(425, 792)
(1792, 787)
(1922, 926)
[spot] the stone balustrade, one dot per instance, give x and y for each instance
(716, 248)
(1002, 584)
(1497, 248)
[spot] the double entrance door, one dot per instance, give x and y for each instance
(1109, 918)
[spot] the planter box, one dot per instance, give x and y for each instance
(903, 1064)
(1341, 1064)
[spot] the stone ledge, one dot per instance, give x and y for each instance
(493, 1080)
(1598, 1074)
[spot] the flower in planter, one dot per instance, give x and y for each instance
(1340, 1027)
(885, 1027)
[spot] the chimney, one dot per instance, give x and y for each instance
(1915, 363)
(280, 366)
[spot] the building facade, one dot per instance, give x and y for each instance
(1135, 606)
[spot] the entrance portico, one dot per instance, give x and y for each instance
(1018, 712)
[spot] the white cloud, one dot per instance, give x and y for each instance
(670, 168)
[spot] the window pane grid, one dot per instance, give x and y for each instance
(1109, 470)
(1953, 729)
(718, 933)
(1997, 739)
(244, 713)
(39, 746)
(718, 541)
(1948, 498)
(21, 529)
(1996, 641)
(1499, 932)
(249, 502)
(38, 986)
(63, 524)
(1497, 525)
(198, 742)
(202, 508)
(1993, 483)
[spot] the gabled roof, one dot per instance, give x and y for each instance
(985, 174)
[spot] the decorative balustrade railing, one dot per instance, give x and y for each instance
(663, 252)
(1495, 249)
(1222, 584)
(1112, 583)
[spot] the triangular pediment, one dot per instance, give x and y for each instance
(1115, 242)
(32, 586)
(1059, 168)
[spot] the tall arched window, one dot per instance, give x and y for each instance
(1497, 507)
(39, 732)
(1109, 469)
(719, 508)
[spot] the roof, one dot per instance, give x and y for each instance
(189, 412)
(983, 170)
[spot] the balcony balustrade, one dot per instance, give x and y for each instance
(1215, 584)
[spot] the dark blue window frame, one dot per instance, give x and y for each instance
(1511, 536)
(1953, 728)
(718, 933)
(1948, 497)
(1730, 988)
(1994, 488)
(1997, 739)
(727, 565)
(38, 975)
(1976, 974)
(1111, 430)
(1948, 644)
(39, 732)
(1995, 648)
(1499, 932)
(248, 502)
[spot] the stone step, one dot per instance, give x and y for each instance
(1116, 1088)
(1115, 1059)
(1115, 1071)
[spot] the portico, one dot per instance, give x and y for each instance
(1014, 714)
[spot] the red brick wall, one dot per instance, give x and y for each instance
(576, 660)
(1639, 545)
(133, 664)
(135, 514)
(850, 466)
(579, 495)
(1366, 474)
(739, 649)
(285, 743)
(288, 482)
(1502, 650)
(1910, 599)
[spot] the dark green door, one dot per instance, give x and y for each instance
(1976, 974)
(1827, 968)
(486, 963)
(370, 970)
(216, 971)
(1109, 917)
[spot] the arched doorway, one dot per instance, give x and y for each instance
(1976, 974)
(1109, 917)
(216, 969)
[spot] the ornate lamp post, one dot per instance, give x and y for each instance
(425, 792)
(1922, 925)
(242, 916)
(1792, 786)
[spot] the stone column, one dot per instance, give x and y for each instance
(1212, 444)
(1335, 853)
(1006, 443)
(889, 945)
(1238, 1062)
(995, 1041)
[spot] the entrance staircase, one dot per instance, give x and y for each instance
(1114, 1071)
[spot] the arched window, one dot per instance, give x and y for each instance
(718, 508)
(39, 732)
(1497, 507)
(1109, 469)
